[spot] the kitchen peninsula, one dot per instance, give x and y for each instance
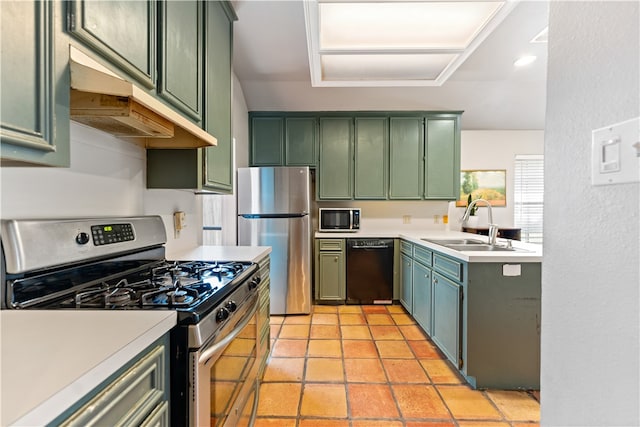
(479, 303)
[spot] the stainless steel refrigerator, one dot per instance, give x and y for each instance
(273, 210)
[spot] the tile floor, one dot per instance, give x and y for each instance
(371, 366)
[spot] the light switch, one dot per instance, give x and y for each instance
(615, 154)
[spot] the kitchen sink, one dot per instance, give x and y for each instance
(472, 245)
(483, 247)
(456, 242)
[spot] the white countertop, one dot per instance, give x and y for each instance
(221, 253)
(526, 252)
(52, 358)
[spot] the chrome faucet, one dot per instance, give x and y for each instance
(493, 228)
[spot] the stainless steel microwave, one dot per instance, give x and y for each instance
(339, 219)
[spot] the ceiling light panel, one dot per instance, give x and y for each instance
(395, 42)
(402, 25)
(384, 67)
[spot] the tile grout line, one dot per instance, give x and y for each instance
(345, 383)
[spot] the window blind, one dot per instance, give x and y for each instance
(528, 195)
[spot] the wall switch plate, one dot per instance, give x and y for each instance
(615, 153)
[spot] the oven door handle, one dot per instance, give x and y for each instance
(208, 353)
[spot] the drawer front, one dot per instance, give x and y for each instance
(448, 267)
(422, 255)
(263, 267)
(331, 244)
(130, 399)
(406, 248)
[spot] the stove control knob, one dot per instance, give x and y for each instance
(82, 238)
(222, 315)
(231, 306)
(253, 283)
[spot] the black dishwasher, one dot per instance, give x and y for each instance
(369, 271)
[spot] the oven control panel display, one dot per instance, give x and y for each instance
(111, 233)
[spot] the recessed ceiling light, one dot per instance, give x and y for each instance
(524, 60)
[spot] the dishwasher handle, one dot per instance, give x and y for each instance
(369, 244)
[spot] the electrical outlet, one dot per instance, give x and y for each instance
(406, 219)
(178, 222)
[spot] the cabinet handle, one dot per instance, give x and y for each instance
(335, 259)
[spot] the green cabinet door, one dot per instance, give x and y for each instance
(442, 159)
(124, 32)
(406, 282)
(34, 82)
(218, 171)
(300, 141)
(406, 140)
(267, 140)
(331, 277)
(336, 158)
(181, 55)
(371, 147)
(446, 316)
(422, 296)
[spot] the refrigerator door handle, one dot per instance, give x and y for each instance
(270, 216)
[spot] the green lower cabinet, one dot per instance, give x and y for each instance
(406, 282)
(371, 149)
(137, 394)
(34, 82)
(331, 275)
(442, 158)
(501, 334)
(330, 270)
(422, 299)
(406, 152)
(446, 317)
(264, 338)
(335, 168)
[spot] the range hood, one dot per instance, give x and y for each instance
(102, 100)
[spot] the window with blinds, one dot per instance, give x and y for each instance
(528, 195)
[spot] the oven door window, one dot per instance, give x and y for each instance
(222, 376)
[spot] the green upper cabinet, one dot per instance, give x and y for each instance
(336, 158)
(181, 56)
(34, 82)
(267, 140)
(405, 158)
(211, 168)
(283, 140)
(300, 141)
(218, 42)
(123, 32)
(442, 158)
(373, 155)
(371, 146)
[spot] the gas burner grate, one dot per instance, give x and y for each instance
(122, 294)
(173, 297)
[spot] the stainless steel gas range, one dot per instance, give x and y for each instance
(119, 264)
